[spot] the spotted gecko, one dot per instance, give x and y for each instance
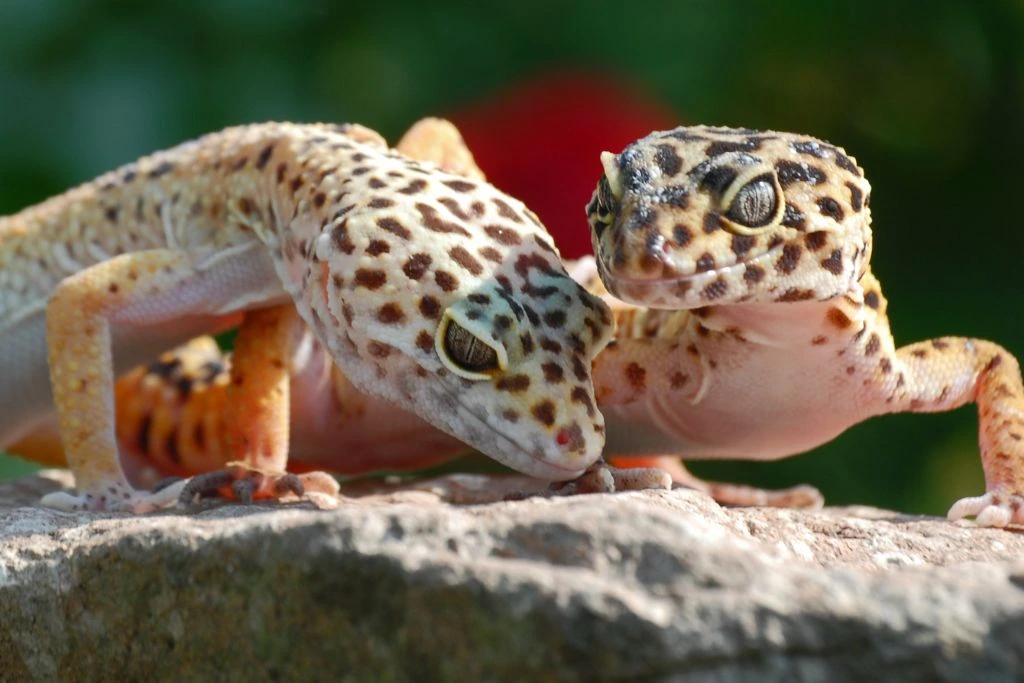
(756, 328)
(431, 290)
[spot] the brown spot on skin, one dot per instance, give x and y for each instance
(580, 395)
(856, 197)
(753, 274)
(394, 227)
(430, 307)
(113, 288)
(513, 383)
(874, 343)
(377, 247)
(787, 263)
(506, 211)
(380, 203)
(712, 222)
(797, 294)
(790, 172)
(916, 403)
(502, 322)
(416, 265)
(502, 235)
(716, 289)
(371, 279)
(636, 376)
(555, 318)
(454, 208)
(161, 169)
(834, 263)
(466, 260)
(526, 339)
(678, 380)
(414, 186)
(481, 299)
(264, 156)
(460, 185)
(719, 147)
(111, 213)
(871, 299)
(885, 365)
(431, 221)
(376, 183)
(705, 263)
(919, 353)
(819, 340)
(850, 369)
(318, 199)
(553, 372)
(390, 313)
(446, 281)
(510, 415)
(550, 345)
(667, 159)
(425, 342)
(579, 370)
(378, 350)
(844, 162)
(794, 218)
(545, 412)
(941, 344)
(741, 244)
(830, 207)
(491, 254)
(339, 235)
(816, 240)
(838, 318)
(681, 235)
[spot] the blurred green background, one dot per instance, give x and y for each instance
(929, 97)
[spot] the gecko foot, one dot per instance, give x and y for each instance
(246, 484)
(604, 478)
(736, 495)
(995, 509)
(121, 498)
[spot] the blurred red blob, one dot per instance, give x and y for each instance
(541, 141)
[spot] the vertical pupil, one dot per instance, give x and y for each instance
(466, 350)
(754, 204)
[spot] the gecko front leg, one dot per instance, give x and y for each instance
(945, 373)
(85, 315)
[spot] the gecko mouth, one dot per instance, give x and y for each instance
(496, 445)
(682, 290)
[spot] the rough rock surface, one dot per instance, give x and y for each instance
(659, 585)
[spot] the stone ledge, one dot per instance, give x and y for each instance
(403, 585)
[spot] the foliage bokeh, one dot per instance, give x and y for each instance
(929, 97)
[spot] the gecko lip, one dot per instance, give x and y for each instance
(664, 285)
(514, 455)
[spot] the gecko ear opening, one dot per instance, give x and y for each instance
(466, 353)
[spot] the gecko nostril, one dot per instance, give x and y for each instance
(570, 438)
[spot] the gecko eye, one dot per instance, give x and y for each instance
(755, 204)
(464, 353)
(604, 205)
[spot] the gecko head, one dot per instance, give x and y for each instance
(453, 303)
(700, 216)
